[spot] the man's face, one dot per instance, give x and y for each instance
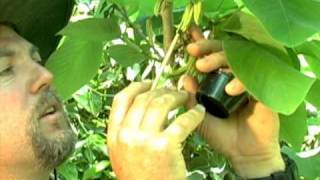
(33, 127)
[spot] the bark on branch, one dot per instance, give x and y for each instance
(167, 23)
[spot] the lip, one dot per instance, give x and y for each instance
(50, 103)
(51, 117)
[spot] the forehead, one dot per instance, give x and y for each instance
(10, 39)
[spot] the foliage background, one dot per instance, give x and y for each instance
(110, 43)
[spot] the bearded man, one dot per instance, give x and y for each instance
(35, 136)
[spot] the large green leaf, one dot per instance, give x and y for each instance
(146, 8)
(266, 77)
(74, 64)
(126, 55)
(213, 9)
(93, 29)
(250, 28)
(210, 6)
(289, 21)
(293, 128)
(314, 94)
(307, 167)
(311, 51)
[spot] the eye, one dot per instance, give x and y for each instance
(6, 71)
(37, 60)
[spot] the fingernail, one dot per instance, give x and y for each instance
(230, 87)
(200, 107)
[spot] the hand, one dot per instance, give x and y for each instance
(139, 146)
(249, 137)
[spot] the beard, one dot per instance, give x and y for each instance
(51, 151)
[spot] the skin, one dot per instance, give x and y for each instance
(25, 87)
(140, 147)
(250, 136)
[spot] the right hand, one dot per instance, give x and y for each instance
(249, 137)
(139, 146)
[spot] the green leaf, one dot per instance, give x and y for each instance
(125, 55)
(210, 6)
(68, 171)
(266, 77)
(92, 172)
(74, 64)
(314, 121)
(289, 21)
(293, 128)
(131, 6)
(89, 100)
(250, 28)
(180, 3)
(196, 176)
(213, 9)
(307, 167)
(311, 51)
(313, 96)
(93, 29)
(146, 8)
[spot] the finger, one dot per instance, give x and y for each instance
(235, 87)
(136, 112)
(217, 131)
(204, 47)
(196, 33)
(185, 124)
(120, 105)
(158, 110)
(212, 62)
(190, 84)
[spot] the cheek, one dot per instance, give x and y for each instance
(14, 116)
(11, 100)
(14, 123)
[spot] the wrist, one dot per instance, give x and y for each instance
(258, 166)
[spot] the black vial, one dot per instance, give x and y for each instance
(213, 97)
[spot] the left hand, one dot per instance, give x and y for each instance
(249, 137)
(139, 146)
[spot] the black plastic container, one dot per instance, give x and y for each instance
(212, 95)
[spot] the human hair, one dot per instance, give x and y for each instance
(10, 25)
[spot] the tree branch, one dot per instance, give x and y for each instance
(167, 23)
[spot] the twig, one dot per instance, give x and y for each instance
(166, 60)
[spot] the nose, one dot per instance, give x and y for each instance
(42, 80)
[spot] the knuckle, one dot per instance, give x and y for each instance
(135, 85)
(142, 97)
(169, 98)
(124, 137)
(121, 96)
(160, 144)
(191, 115)
(158, 102)
(163, 101)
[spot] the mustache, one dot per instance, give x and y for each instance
(46, 99)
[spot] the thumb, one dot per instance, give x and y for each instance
(216, 132)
